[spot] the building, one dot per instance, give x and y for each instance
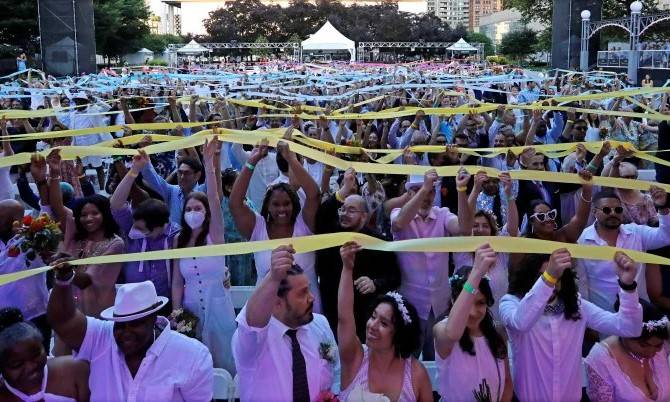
(453, 12)
(479, 8)
(496, 25)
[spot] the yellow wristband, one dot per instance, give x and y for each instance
(461, 189)
(547, 277)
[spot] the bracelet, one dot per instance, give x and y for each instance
(549, 278)
(250, 166)
(66, 282)
(627, 288)
(462, 189)
(581, 195)
(468, 288)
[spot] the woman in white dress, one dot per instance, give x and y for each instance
(632, 369)
(471, 355)
(384, 369)
(27, 374)
(201, 284)
(281, 214)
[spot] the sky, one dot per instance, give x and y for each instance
(195, 11)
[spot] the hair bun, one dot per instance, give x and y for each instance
(10, 316)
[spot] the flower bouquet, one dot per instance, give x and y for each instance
(36, 236)
(184, 322)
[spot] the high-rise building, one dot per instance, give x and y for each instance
(480, 8)
(453, 12)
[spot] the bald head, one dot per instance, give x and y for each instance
(10, 211)
(354, 213)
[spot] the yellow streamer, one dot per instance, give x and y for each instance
(318, 242)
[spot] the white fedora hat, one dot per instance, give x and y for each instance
(134, 301)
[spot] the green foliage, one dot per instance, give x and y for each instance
(120, 26)
(518, 44)
(18, 25)
(246, 20)
(261, 52)
(157, 43)
(497, 59)
(157, 62)
(478, 37)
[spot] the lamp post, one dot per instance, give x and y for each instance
(634, 53)
(584, 52)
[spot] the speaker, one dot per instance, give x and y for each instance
(67, 36)
(566, 31)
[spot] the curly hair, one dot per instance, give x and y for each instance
(109, 225)
(407, 336)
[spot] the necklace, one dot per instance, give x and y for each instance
(632, 355)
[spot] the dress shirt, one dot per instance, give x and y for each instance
(547, 349)
(172, 194)
(425, 276)
(264, 361)
(30, 295)
(265, 172)
(175, 368)
(598, 280)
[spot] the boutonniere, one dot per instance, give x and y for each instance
(327, 352)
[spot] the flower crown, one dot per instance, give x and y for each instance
(657, 324)
(401, 306)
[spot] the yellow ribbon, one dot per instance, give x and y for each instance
(318, 242)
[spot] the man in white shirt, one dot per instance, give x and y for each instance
(283, 352)
(597, 279)
(134, 356)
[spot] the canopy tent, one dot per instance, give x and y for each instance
(462, 46)
(329, 38)
(192, 47)
(140, 57)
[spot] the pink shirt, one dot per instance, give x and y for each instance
(425, 276)
(547, 349)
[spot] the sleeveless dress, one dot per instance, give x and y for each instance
(306, 261)
(607, 382)
(207, 298)
(41, 396)
(358, 389)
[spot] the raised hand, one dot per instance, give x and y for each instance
(259, 152)
(348, 253)
(281, 261)
(485, 259)
(659, 195)
(139, 161)
(559, 261)
(462, 178)
(38, 167)
(506, 181)
(54, 160)
(429, 179)
(626, 269)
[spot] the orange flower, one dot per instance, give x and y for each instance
(37, 225)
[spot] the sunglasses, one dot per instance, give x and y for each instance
(545, 216)
(608, 210)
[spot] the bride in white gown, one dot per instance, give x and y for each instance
(201, 284)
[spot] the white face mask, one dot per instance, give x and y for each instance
(135, 234)
(194, 219)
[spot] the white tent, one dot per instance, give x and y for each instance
(462, 46)
(192, 47)
(139, 58)
(329, 38)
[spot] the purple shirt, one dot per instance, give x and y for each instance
(425, 276)
(156, 271)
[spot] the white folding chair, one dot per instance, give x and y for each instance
(223, 385)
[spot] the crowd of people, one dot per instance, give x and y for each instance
(343, 322)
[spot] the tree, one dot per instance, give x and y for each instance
(518, 44)
(157, 43)
(478, 37)
(18, 25)
(120, 26)
(261, 52)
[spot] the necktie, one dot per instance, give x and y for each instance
(300, 385)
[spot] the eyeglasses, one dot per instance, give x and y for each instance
(608, 210)
(545, 216)
(348, 211)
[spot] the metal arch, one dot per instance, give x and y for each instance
(433, 45)
(242, 45)
(594, 27)
(647, 21)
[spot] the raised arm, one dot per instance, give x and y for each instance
(245, 219)
(120, 195)
(573, 229)
(411, 208)
(67, 321)
(447, 334)
(466, 215)
(216, 226)
(351, 350)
